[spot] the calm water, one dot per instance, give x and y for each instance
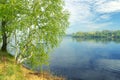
(86, 60)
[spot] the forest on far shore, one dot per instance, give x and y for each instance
(98, 34)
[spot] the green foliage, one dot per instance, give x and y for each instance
(98, 34)
(33, 27)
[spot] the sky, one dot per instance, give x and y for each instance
(93, 15)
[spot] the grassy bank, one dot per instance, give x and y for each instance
(9, 70)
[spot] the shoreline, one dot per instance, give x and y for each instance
(9, 70)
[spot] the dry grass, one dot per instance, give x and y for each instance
(30, 75)
(9, 70)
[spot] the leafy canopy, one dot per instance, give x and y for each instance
(33, 27)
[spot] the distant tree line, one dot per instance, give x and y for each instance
(98, 34)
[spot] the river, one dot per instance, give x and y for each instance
(86, 60)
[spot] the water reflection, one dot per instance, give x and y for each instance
(102, 40)
(86, 60)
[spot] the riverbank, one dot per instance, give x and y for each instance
(9, 70)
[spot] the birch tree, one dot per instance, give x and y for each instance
(34, 26)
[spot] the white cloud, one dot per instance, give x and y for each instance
(80, 12)
(103, 17)
(87, 13)
(108, 7)
(94, 26)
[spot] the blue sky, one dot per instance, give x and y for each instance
(93, 15)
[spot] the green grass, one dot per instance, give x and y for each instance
(9, 70)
